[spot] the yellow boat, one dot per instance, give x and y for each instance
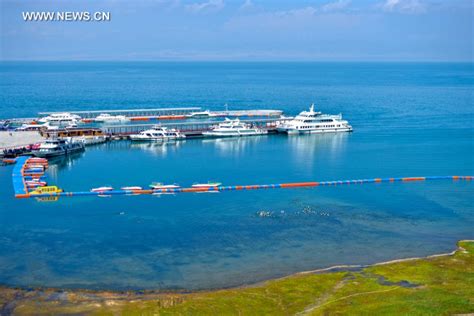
(47, 190)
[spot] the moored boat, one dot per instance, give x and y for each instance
(107, 118)
(202, 114)
(35, 166)
(37, 160)
(315, 122)
(47, 190)
(92, 140)
(35, 183)
(131, 188)
(58, 147)
(158, 133)
(159, 186)
(102, 189)
(234, 128)
(60, 118)
(207, 185)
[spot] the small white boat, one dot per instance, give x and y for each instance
(107, 118)
(37, 160)
(132, 188)
(158, 133)
(160, 186)
(34, 183)
(234, 128)
(206, 185)
(203, 114)
(36, 170)
(102, 189)
(92, 140)
(35, 166)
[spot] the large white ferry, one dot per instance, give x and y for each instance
(234, 128)
(158, 134)
(60, 118)
(315, 122)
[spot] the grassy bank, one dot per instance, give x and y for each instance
(438, 285)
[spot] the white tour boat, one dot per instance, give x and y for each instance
(60, 118)
(158, 133)
(234, 128)
(37, 127)
(203, 114)
(315, 122)
(107, 118)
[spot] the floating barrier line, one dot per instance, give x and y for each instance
(238, 188)
(23, 172)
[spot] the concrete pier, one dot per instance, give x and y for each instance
(13, 139)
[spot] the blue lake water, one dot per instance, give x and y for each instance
(409, 119)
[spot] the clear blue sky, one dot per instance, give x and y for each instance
(339, 30)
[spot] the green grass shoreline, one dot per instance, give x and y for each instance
(435, 285)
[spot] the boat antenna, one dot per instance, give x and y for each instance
(226, 107)
(311, 109)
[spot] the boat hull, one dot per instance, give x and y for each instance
(62, 152)
(156, 139)
(292, 131)
(240, 134)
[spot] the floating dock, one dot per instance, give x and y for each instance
(22, 172)
(18, 180)
(28, 175)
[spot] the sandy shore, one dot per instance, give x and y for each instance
(18, 139)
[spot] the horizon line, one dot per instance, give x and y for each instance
(249, 60)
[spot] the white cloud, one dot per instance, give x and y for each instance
(308, 11)
(248, 4)
(335, 6)
(210, 5)
(404, 6)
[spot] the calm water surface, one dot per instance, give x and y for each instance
(409, 120)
